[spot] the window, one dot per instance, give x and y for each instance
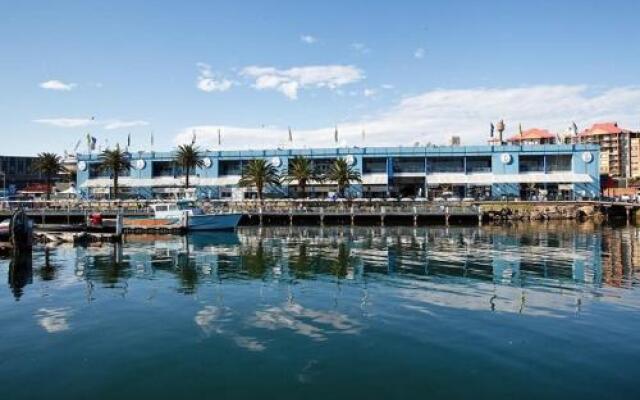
(161, 208)
(559, 162)
(478, 164)
(445, 164)
(531, 163)
(323, 164)
(229, 167)
(374, 165)
(162, 168)
(96, 171)
(408, 164)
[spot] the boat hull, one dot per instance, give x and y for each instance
(213, 222)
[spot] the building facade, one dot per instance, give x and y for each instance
(619, 149)
(16, 173)
(479, 172)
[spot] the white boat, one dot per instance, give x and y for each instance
(196, 219)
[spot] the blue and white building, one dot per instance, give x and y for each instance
(480, 172)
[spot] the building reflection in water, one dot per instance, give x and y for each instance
(497, 263)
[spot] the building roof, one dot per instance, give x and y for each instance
(532, 134)
(603, 128)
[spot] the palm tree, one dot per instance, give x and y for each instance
(343, 174)
(259, 173)
(302, 170)
(188, 156)
(49, 165)
(115, 161)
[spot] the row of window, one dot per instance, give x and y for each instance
(17, 165)
(470, 164)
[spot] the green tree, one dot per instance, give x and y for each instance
(115, 162)
(259, 173)
(302, 170)
(189, 157)
(49, 165)
(343, 174)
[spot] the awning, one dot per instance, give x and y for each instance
(374, 179)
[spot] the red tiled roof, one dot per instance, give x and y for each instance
(603, 128)
(532, 134)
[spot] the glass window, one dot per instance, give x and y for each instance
(559, 162)
(323, 164)
(374, 165)
(408, 164)
(96, 171)
(478, 164)
(531, 163)
(229, 167)
(162, 168)
(445, 164)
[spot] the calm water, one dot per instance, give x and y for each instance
(528, 311)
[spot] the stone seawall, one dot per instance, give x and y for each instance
(542, 211)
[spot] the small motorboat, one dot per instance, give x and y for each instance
(185, 212)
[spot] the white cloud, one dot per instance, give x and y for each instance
(290, 81)
(57, 85)
(360, 48)
(387, 86)
(66, 122)
(419, 53)
(308, 39)
(435, 115)
(207, 80)
(117, 124)
(369, 92)
(83, 122)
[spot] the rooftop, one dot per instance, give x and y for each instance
(603, 128)
(532, 134)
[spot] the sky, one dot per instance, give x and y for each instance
(381, 73)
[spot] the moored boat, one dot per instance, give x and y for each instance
(194, 218)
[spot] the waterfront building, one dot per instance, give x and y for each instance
(479, 172)
(619, 149)
(16, 173)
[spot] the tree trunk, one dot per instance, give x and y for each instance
(48, 183)
(302, 188)
(187, 181)
(115, 186)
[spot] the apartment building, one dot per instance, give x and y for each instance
(619, 149)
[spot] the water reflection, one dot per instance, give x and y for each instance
(20, 274)
(424, 307)
(555, 257)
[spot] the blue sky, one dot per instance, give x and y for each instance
(404, 71)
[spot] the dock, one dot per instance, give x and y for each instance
(136, 218)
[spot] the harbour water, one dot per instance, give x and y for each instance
(496, 312)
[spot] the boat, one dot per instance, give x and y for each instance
(186, 213)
